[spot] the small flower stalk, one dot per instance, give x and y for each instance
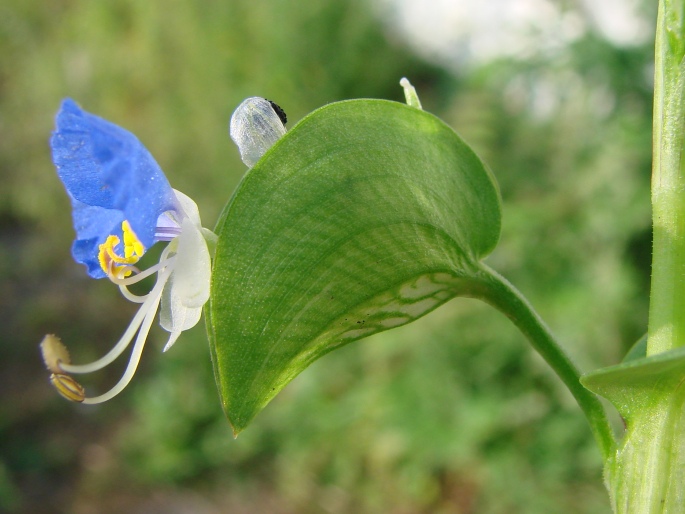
(122, 204)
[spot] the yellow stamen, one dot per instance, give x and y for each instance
(115, 265)
(132, 245)
(68, 387)
(56, 356)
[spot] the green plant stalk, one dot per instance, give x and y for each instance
(646, 472)
(667, 298)
(496, 291)
(645, 475)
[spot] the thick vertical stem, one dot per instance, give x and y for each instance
(667, 303)
(645, 475)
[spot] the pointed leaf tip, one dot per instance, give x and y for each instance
(367, 215)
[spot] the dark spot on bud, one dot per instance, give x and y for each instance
(279, 111)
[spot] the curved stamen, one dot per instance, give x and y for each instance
(124, 282)
(118, 348)
(140, 275)
(116, 265)
(149, 306)
(132, 297)
(137, 349)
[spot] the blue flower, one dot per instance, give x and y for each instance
(122, 204)
(109, 177)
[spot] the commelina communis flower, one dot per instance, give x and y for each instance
(122, 204)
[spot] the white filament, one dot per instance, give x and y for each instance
(137, 347)
(149, 306)
(182, 289)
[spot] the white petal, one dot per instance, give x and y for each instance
(167, 220)
(172, 339)
(192, 270)
(188, 287)
(255, 127)
(174, 316)
(189, 207)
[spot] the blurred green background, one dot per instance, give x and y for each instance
(567, 131)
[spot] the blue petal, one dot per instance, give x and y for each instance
(107, 168)
(90, 223)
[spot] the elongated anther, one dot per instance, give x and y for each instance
(68, 387)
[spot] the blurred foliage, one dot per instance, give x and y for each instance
(568, 137)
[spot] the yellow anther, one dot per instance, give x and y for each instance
(115, 265)
(54, 353)
(132, 245)
(68, 387)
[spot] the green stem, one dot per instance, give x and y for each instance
(498, 292)
(667, 298)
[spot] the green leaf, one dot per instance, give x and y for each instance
(365, 216)
(636, 385)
